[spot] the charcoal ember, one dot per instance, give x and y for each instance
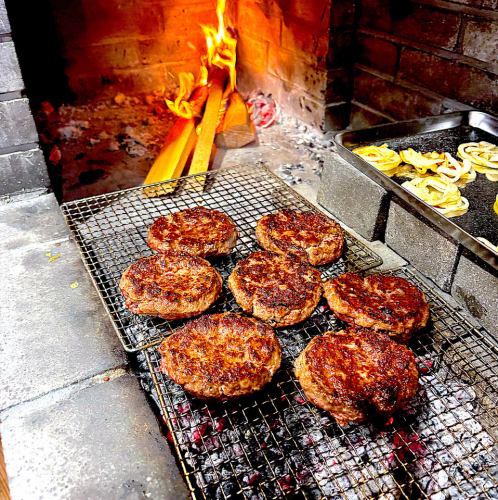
(226, 490)
(251, 478)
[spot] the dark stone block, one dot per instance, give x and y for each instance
(434, 254)
(353, 198)
(450, 78)
(16, 123)
(362, 117)
(10, 74)
(91, 441)
(392, 99)
(337, 116)
(476, 287)
(411, 21)
(377, 53)
(339, 85)
(480, 40)
(25, 170)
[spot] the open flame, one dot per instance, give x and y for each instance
(220, 53)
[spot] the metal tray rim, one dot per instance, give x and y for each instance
(453, 230)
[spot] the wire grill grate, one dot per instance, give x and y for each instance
(111, 232)
(276, 444)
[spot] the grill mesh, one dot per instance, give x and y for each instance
(111, 232)
(276, 444)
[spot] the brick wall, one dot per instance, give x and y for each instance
(282, 50)
(130, 45)
(22, 167)
(424, 57)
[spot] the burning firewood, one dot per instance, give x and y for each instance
(200, 161)
(178, 145)
(217, 86)
(236, 130)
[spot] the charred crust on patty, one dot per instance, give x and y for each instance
(357, 374)
(310, 236)
(221, 356)
(170, 285)
(199, 231)
(385, 303)
(280, 289)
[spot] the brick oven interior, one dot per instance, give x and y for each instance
(332, 64)
(83, 85)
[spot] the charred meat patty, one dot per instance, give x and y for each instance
(221, 356)
(280, 289)
(357, 374)
(199, 231)
(378, 301)
(170, 285)
(308, 235)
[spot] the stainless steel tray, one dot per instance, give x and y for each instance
(443, 132)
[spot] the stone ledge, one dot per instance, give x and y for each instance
(10, 76)
(53, 334)
(476, 287)
(23, 170)
(98, 441)
(16, 123)
(30, 222)
(353, 198)
(432, 253)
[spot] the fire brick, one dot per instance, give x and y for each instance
(353, 198)
(433, 253)
(476, 287)
(10, 75)
(300, 36)
(392, 99)
(298, 70)
(252, 53)
(108, 19)
(377, 53)
(312, 12)
(480, 40)
(261, 20)
(414, 22)
(450, 78)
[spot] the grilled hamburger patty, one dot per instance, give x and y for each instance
(199, 231)
(381, 302)
(170, 285)
(280, 289)
(308, 235)
(357, 374)
(221, 356)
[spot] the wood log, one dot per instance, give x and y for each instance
(171, 161)
(202, 153)
(236, 130)
(177, 148)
